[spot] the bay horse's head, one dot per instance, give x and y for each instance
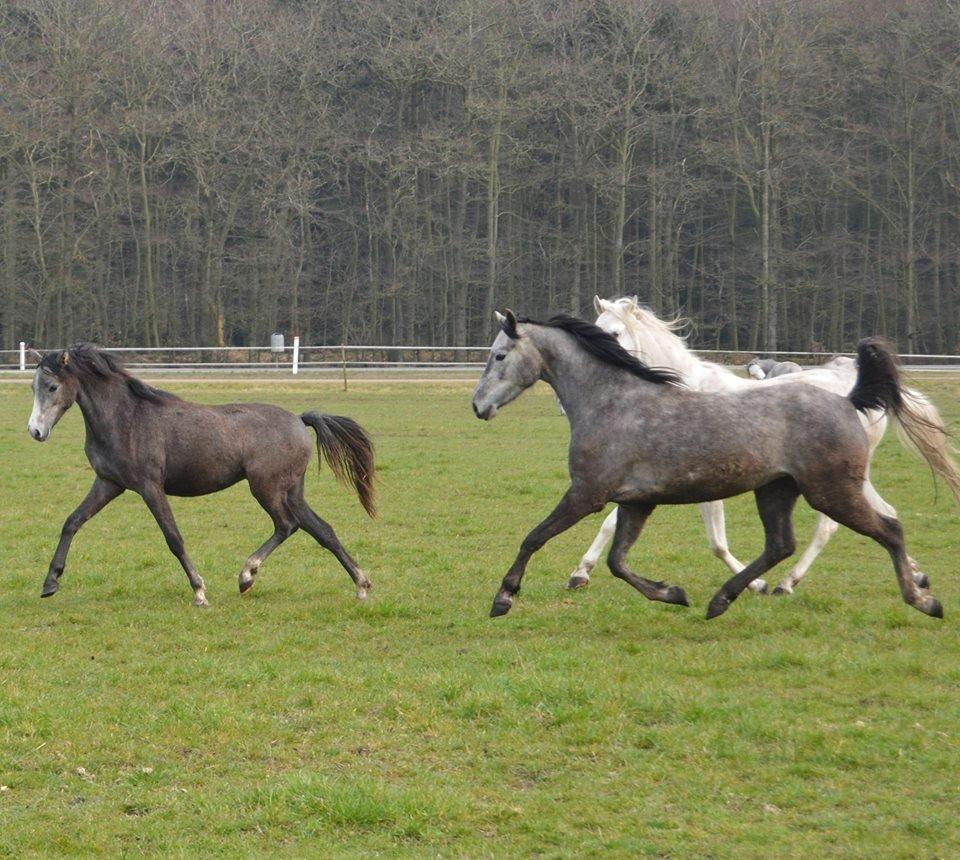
(55, 388)
(514, 365)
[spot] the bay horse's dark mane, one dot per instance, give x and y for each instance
(604, 346)
(87, 359)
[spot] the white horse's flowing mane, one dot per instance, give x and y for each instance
(659, 343)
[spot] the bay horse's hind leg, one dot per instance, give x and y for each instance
(271, 499)
(853, 510)
(323, 533)
(630, 521)
(775, 503)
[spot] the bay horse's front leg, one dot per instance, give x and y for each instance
(101, 494)
(571, 509)
(156, 500)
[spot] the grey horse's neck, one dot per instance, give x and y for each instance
(583, 384)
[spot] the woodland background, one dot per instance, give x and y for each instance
(786, 174)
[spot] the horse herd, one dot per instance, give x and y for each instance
(651, 424)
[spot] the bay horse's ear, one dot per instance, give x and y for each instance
(598, 305)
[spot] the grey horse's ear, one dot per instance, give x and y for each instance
(64, 358)
(598, 305)
(35, 354)
(509, 325)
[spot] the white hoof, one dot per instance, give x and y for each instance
(759, 586)
(580, 578)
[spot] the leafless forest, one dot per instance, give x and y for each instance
(786, 174)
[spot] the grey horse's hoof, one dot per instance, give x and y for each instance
(49, 590)
(246, 585)
(675, 594)
(501, 606)
(779, 591)
(932, 607)
(921, 579)
(578, 581)
(719, 605)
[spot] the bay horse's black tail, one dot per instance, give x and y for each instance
(879, 386)
(348, 451)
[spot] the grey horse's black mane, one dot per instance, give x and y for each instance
(88, 359)
(604, 346)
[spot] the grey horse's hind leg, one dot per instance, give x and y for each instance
(571, 509)
(160, 508)
(775, 503)
(101, 494)
(630, 521)
(323, 533)
(858, 514)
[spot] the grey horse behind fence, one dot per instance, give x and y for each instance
(769, 368)
(146, 440)
(640, 439)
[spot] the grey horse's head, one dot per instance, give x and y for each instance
(54, 392)
(514, 365)
(758, 368)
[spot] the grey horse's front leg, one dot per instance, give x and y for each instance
(630, 522)
(571, 509)
(156, 500)
(101, 494)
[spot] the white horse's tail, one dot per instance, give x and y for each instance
(921, 429)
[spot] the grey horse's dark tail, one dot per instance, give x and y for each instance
(879, 386)
(348, 451)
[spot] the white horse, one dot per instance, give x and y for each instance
(657, 344)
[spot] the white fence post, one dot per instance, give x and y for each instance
(296, 355)
(23, 355)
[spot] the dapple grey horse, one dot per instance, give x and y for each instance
(640, 439)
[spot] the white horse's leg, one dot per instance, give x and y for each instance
(826, 529)
(581, 576)
(715, 523)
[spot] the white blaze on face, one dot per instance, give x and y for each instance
(45, 408)
(36, 426)
(756, 371)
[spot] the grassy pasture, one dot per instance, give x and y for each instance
(296, 721)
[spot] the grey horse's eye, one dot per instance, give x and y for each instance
(52, 388)
(500, 356)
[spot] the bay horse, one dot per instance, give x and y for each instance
(639, 438)
(656, 341)
(149, 441)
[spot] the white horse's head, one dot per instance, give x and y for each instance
(642, 333)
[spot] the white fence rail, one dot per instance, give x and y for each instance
(343, 359)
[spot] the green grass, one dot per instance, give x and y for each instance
(297, 721)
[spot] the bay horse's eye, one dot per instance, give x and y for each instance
(500, 356)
